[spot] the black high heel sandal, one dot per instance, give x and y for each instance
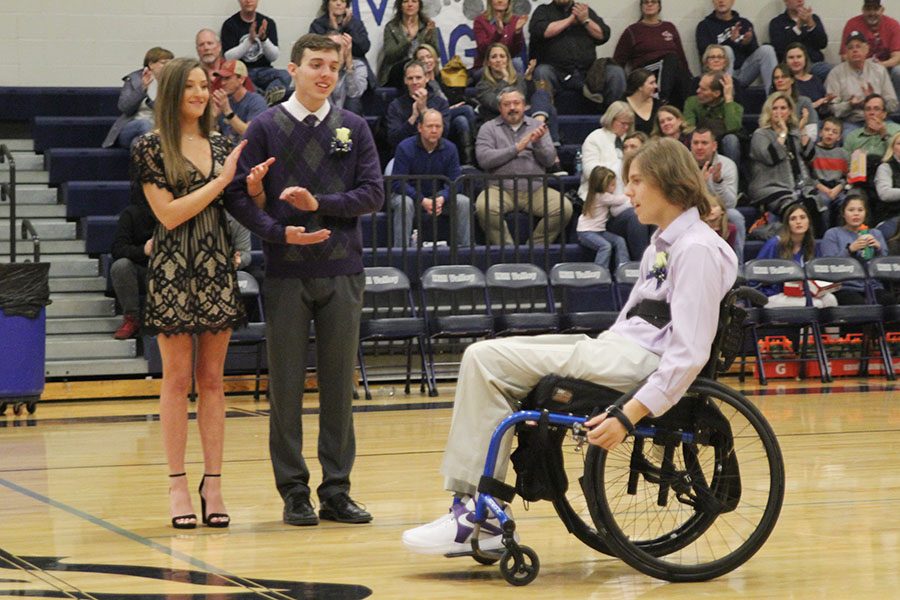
(222, 519)
(183, 521)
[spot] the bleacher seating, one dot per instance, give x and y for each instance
(88, 198)
(69, 132)
(84, 164)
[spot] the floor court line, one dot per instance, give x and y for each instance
(194, 562)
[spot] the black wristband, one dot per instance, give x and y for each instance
(229, 116)
(613, 410)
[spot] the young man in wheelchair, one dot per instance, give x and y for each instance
(663, 335)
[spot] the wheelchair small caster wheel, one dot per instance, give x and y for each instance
(486, 559)
(3, 406)
(17, 408)
(31, 407)
(520, 571)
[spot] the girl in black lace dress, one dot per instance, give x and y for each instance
(192, 289)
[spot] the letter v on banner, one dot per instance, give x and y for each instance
(377, 11)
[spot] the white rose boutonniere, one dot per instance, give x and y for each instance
(660, 268)
(341, 143)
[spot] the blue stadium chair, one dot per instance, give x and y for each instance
(69, 132)
(521, 300)
(389, 314)
(627, 275)
(800, 319)
(841, 270)
(99, 233)
(586, 297)
(83, 164)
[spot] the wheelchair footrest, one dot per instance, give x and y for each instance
(496, 488)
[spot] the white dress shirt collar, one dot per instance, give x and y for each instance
(300, 112)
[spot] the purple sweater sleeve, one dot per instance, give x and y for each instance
(238, 202)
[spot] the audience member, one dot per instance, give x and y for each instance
(564, 36)
(887, 184)
(656, 45)
(408, 27)
(829, 167)
(714, 107)
(640, 94)
(515, 144)
(807, 117)
(670, 123)
(462, 116)
(591, 229)
(855, 79)
(209, 53)
(855, 239)
(721, 176)
(799, 25)
(351, 83)
(403, 112)
(882, 34)
(233, 105)
(427, 154)
(808, 84)
(252, 37)
(131, 250)
(336, 17)
(795, 241)
(604, 147)
(136, 100)
(498, 25)
(872, 137)
(499, 74)
(748, 60)
(718, 220)
(778, 156)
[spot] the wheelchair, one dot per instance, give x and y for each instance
(688, 496)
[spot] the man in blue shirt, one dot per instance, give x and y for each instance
(427, 153)
(236, 106)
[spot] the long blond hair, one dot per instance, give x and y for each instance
(167, 112)
(511, 74)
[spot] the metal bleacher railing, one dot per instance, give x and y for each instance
(8, 192)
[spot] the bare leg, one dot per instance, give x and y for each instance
(176, 381)
(211, 351)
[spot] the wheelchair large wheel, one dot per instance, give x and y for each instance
(695, 500)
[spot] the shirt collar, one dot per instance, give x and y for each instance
(296, 109)
(663, 240)
(440, 144)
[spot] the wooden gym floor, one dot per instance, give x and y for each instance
(83, 507)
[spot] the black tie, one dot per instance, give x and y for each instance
(619, 144)
(311, 121)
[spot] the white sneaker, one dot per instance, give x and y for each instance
(452, 533)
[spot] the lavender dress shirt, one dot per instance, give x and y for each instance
(701, 268)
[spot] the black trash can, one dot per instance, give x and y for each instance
(24, 295)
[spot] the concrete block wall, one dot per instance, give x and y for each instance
(96, 42)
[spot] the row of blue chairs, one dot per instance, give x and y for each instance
(808, 321)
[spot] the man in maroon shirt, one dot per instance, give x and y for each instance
(883, 35)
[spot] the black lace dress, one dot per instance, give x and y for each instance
(191, 281)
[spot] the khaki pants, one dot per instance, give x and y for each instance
(496, 374)
(493, 203)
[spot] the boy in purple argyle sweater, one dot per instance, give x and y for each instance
(307, 174)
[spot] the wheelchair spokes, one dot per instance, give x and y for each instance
(697, 508)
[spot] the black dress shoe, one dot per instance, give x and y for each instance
(343, 509)
(299, 511)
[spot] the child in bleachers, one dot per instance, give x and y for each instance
(601, 199)
(829, 166)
